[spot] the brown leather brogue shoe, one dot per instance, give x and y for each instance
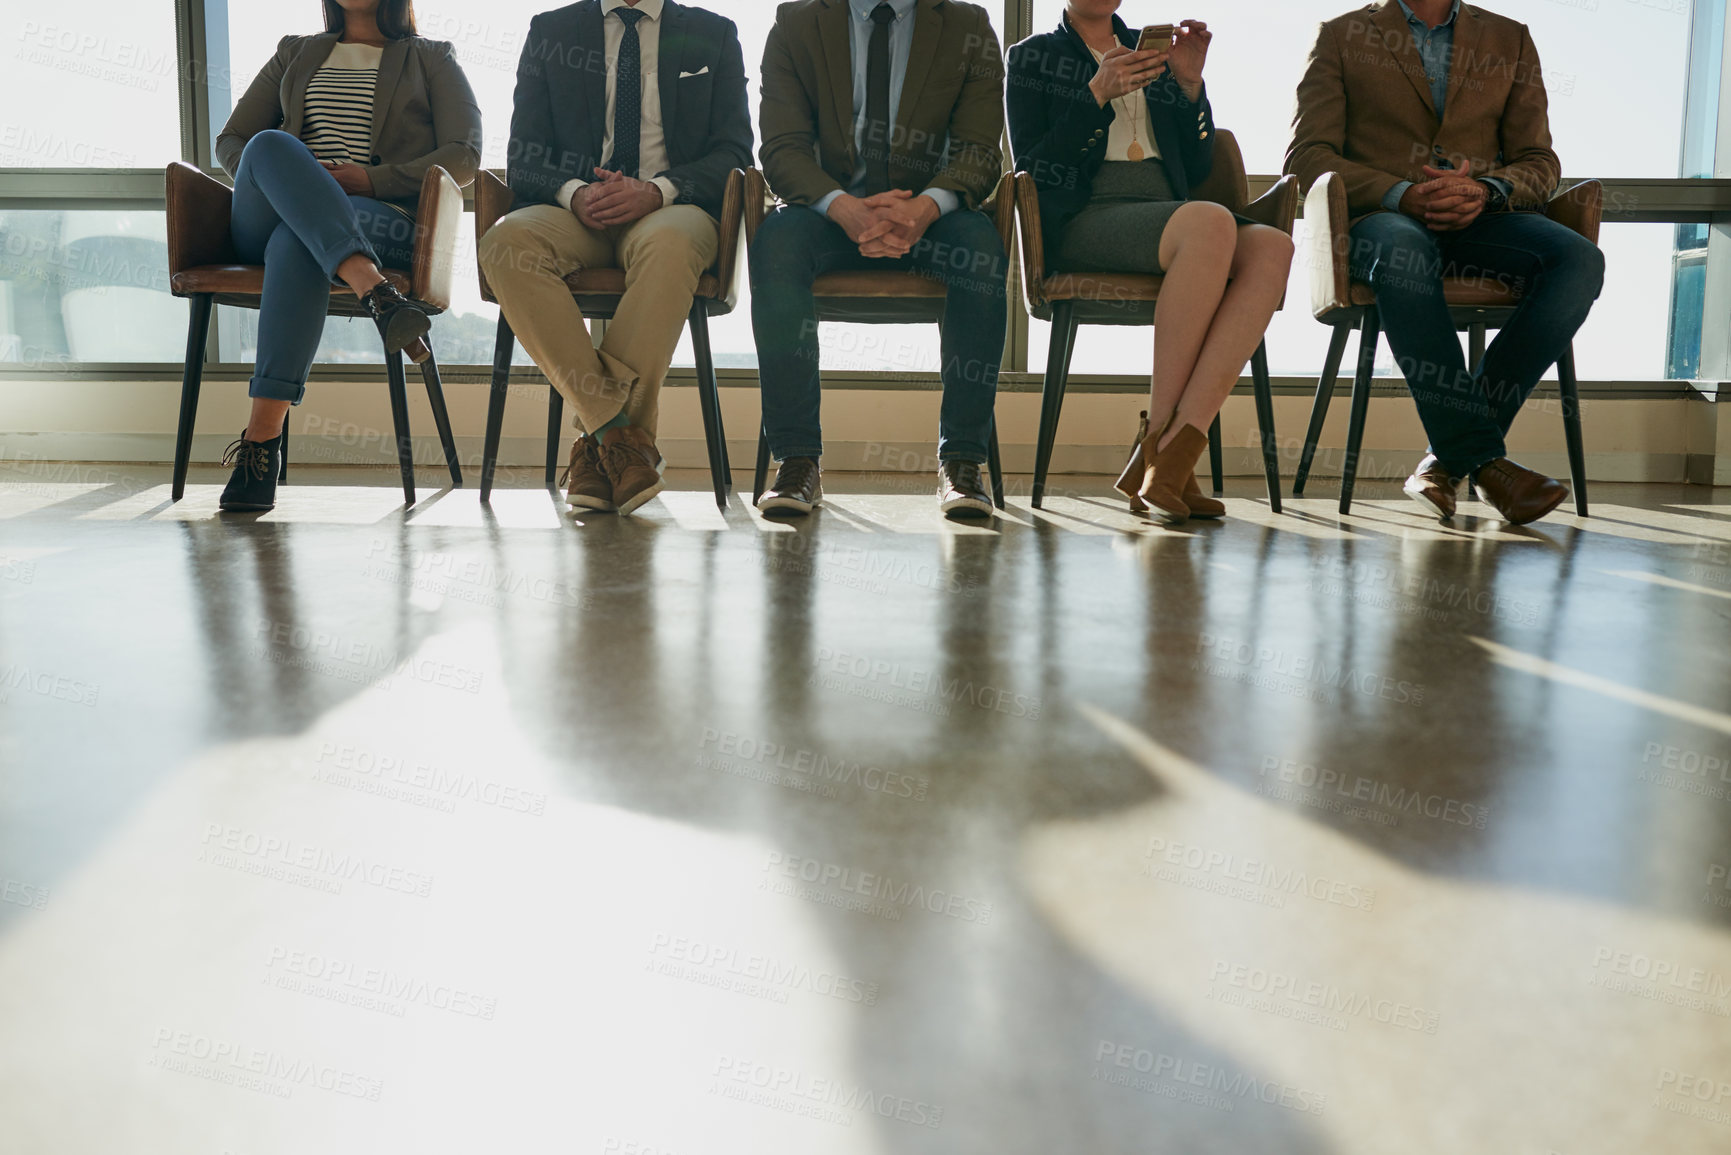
(798, 488)
(632, 465)
(1432, 489)
(1518, 493)
(587, 486)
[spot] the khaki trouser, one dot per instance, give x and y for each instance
(526, 257)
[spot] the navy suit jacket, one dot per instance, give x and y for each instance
(559, 122)
(1058, 132)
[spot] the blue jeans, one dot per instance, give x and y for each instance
(794, 246)
(1467, 410)
(291, 215)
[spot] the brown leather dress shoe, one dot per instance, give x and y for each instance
(798, 488)
(1432, 489)
(588, 487)
(1518, 493)
(961, 492)
(632, 465)
(1163, 487)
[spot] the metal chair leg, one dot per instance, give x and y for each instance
(709, 401)
(400, 421)
(760, 477)
(1570, 389)
(1216, 457)
(555, 427)
(442, 418)
(995, 465)
(504, 345)
(197, 334)
(1264, 388)
(1369, 332)
(1058, 355)
(1319, 407)
(1475, 345)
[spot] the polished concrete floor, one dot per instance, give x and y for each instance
(355, 829)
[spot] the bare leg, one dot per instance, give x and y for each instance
(360, 274)
(1260, 264)
(1196, 251)
(267, 419)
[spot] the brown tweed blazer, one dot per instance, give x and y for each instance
(1365, 108)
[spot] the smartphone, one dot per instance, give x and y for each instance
(1156, 38)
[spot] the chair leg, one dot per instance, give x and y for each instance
(1319, 407)
(1216, 457)
(400, 420)
(1475, 345)
(1058, 355)
(282, 454)
(995, 465)
(709, 401)
(1570, 389)
(442, 418)
(1264, 388)
(504, 345)
(1368, 335)
(555, 428)
(197, 334)
(761, 476)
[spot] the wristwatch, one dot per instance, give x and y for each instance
(1497, 201)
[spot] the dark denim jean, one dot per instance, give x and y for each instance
(291, 216)
(794, 246)
(1467, 410)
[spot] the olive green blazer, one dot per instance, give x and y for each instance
(424, 112)
(950, 124)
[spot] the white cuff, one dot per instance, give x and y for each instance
(569, 190)
(669, 190)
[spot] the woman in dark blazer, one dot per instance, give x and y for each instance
(327, 150)
(1117, 139)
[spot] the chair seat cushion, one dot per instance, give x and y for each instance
(1103, 286)
(1459, 292)
(878, 284)
(243, 284)
(611, 282)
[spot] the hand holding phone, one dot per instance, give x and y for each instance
(1156, 38)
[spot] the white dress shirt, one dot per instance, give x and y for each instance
(652, 144)
(1130, 123)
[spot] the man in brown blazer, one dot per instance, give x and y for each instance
(1435, 114)
(881, 124)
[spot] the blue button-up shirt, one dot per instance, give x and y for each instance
(1436, 47)
(859, 28)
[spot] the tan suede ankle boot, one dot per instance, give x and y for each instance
(1163, 485)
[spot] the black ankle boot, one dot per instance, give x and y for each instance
(401, 322)
(257, 466)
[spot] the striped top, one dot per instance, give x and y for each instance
(338, 119)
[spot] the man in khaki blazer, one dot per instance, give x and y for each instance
(1435, 114)
(882, 122)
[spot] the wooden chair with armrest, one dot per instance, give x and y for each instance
(1069, 299)
(879, 297)
(202, 266)
(598, 293)
(1476, 304)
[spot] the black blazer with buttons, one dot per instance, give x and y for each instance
(559, 121)
(1058, 132)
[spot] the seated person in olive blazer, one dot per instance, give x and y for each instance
(881, 126)
(629, 116)
(1435, 115)
(327, 149)
(1116, 139)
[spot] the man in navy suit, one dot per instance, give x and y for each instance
(629, 116)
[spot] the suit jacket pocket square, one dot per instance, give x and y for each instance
(704, 71)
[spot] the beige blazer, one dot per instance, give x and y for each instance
(1365, 108)
(949, 126)
(424, 112)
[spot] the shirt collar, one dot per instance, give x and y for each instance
(862, 9)
(649, 8)
(1412, 17)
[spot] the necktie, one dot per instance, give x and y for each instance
(628, 98)
(877, 127)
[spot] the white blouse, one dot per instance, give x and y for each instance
(338, 115)
(1129, 123)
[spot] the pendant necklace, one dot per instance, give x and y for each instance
(1135, 152)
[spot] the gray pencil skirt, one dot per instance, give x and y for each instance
(1120, 229)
